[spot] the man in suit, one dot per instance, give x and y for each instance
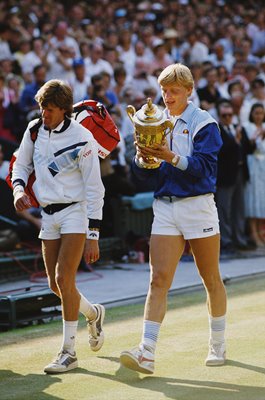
(231, 178)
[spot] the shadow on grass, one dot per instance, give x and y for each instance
(32, 386)
(174, 388)
(26, 387)
(250, 367)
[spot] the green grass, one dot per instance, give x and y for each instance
(180, 372)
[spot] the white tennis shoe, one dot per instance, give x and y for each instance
(138, 359)
(64, 362)
(96, 334)
(216, 355)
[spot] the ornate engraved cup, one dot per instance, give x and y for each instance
(151, 126)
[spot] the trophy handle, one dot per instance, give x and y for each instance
(131, 111)
(168, 127)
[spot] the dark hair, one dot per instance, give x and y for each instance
(222, 102)
(257, 81)
(57, 93)
(232, 84)
(37, 68)
(253, 108)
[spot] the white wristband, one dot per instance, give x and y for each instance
(93, 234)
(18, 189)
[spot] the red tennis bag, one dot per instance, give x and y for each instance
(93, 116)
(29, 188)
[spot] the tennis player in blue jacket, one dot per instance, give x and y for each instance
(184, 209)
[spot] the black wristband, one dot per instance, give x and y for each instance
(18, 182)
(94, 224)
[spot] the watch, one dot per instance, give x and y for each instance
(175, 160)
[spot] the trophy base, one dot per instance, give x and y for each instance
(149, 163)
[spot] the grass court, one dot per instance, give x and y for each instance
(180, 373)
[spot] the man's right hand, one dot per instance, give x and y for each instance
(21, 201)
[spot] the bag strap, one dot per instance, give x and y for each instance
(34, 130)
(99, 109)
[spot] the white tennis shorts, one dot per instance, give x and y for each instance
(190, 217)
(72, 219)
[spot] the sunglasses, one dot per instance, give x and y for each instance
(226, 115)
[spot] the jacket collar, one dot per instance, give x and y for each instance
(62, 126)
(186, 113)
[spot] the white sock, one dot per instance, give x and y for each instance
(150, 334)
(217, 329)
(69, 335)
(87, 309)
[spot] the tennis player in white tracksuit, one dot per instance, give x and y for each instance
(68, 186)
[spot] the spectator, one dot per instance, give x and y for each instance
(255, 187)
(248, 57)
(143, 80)
(251, 73)
(5, 100)
(79, 82)
(60, 62)
(161, 58)
(96, 64)
(5, 51)
(91, 32)
(27, 99)
(237, 96)
(173, 44)
(99, 93)
(194, 50)
(256, 95)
(222, 81)
(62, 39)
(23, 49)
(262, 69)
(4, 165)
(146, 35)
(37, 56)
(219, 58)
(231, 179)
(12, 120)
(111, 55)
(121, 83)
(141, 55)
(126, 51)
(197, 73)
(115, 177)
(209, 94)
(106, 82)
(258, 44)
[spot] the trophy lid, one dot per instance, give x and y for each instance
(149, 112)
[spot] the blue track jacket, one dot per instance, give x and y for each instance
(196, 139)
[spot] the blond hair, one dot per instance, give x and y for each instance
(58, 93)
(176, 74)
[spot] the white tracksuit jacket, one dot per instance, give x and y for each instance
(66, 165)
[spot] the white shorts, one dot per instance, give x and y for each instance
(190, 217)
(72, 219)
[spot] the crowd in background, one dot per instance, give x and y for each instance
(113, 51)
